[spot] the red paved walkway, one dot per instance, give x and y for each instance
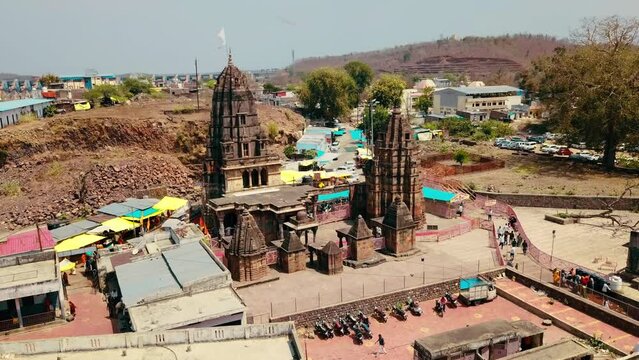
(401, 335)
(582, 321)
(91, 315)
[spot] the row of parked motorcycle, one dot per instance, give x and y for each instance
(360, 324)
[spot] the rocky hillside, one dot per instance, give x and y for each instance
(482, 58)
(67, 165)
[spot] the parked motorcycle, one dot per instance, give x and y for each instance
(366, 330)
(344, 324)
(328, 328)
(338, 328)
(358, 336)
(451, 300)
(351, 319)
(399, 312)
(363, 318)
(439, 308)
(320, 330)
(380, 314)
(414, 307)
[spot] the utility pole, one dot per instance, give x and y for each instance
(197, 86)
(38, 233)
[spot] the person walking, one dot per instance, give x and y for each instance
(524, 247)
(382, 343)
(460, 211)
(512, 253)
(490, 215)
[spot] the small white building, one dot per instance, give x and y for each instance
(449, 101)
(11, 111)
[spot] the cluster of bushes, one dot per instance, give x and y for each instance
(106, 94)
(183, 109)
(464, 128)
(291, 153)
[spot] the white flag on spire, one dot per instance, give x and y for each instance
(222, 37)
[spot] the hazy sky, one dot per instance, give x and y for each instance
(164, 36)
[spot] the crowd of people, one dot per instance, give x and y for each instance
(507, 235)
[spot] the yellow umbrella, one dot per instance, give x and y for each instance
(66, 265)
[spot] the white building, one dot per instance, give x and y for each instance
(11, 111)
(449, 101)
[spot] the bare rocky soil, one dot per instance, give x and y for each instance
(68, 165)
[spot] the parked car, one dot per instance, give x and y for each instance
(527, 145)
(539, 139)
(499, 141)
(507, 144)
(585, 156)
(581, 145)
(563, 151)
(517, 138)
(550, 148)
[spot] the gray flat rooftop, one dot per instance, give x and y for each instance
(279, 197)
(116, 209)
(166, 273)
(185, 310)
(144, 279)
(140, 204)
(28, 273)
(190, 263)
(494, 89)
(565, 349)
(275, 341)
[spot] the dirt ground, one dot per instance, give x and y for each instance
(531, 174)
(120, 150)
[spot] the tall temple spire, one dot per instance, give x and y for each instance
(393, 172)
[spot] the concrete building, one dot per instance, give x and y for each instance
(275, 341)
(31, 290)
(315, 142)
(87, 82)
(567, 349)
(181, 287)
(449, 101)
(488, 340)
(11, 111)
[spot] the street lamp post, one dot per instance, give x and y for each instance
(370, 117)
(552, 249)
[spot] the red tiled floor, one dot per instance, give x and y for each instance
(582, 321)
(401, 335)
(91, 316)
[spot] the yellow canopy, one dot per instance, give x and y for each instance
(77, 242)
(82, 106)
(307, 162)
(364, 152)
(118, 225)
(170, 203)
(66, 265)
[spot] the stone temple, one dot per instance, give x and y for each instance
(237, 157)
(393, 171)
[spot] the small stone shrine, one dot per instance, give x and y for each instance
(291, 253)
(398, 228)
(246, 253)
(330, 259)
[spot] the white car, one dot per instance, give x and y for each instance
(527, 146)
(550, 148)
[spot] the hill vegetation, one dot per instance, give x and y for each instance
(491, 59)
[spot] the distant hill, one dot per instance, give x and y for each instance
(491, 59)
(10, 76)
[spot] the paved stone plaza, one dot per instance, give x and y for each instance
(463, 255)
(588, 243)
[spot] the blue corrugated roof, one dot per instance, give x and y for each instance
(435, 194)
(16, 104)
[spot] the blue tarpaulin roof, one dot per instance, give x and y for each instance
(357, 134)
(333, 196)
(435, 194)
(16, 104)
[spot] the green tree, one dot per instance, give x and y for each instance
(387, 90)
(49, 111)
(270, 88)
(272, 130)
(425, 101)
(134, 86)
(361, 73)
(458, 127)
(327, 93)
(289, 151)
(105, 95)
(380, 116)
(592, 90)
(49, 78)
(461, 156)
(210, 84)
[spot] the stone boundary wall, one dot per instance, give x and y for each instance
(562, 201)
(481, 163)
(595, 310)
(385, 301)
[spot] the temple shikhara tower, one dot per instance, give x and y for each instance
(393, 172)
(237, 156)
(246, 254)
